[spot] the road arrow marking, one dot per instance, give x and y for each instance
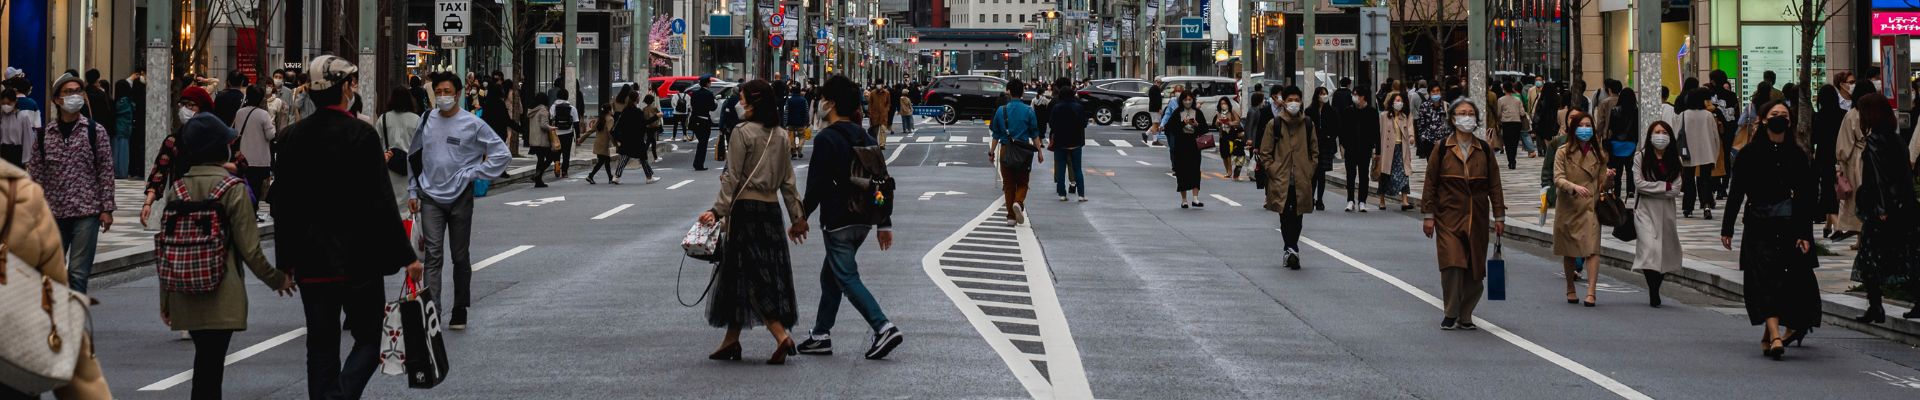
(929, 195)
(538, 202)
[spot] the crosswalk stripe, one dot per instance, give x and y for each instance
(1120, 143)
(957, 139)
(678, 185)
(924, 139)
(988, 139)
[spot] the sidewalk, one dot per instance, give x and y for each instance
(128, 245)
(1707, 266)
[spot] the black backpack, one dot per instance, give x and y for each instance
(563, 116)
(870, 196)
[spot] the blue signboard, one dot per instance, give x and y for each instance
(1347, 3)
(679, 26)
(1896, 4)
(1109, 47)
(1192, 27)
(720, 25)
(928, 111)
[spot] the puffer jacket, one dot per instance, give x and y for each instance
(34, 239)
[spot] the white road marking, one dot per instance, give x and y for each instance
(483, 264)
(1224, 199)
(988, 139)
(1596, 377)
(537, 202)
(946, 163)
(923, 139)
(678, 185)
(243, 354)
(1122, 152)
(615, 210)
(1143, 163)
(1120, 143)
(897, 149)
(956, 138)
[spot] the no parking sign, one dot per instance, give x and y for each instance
(774, 40)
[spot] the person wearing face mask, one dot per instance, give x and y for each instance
(1657, 251)
(454, 148)
(1773, 184)
(1849, 144)
(16, 128)
(1183, 146)
(74, 161)
(1325, 116)
(1358, 145)
(1888, 209)
(1463, 202)
(1580, 174)
(1289, 153)
(1395, 155)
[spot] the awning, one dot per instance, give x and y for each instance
(658, 54)
(417, 49)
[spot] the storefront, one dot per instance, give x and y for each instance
(1747, 38)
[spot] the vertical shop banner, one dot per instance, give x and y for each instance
(246, 53)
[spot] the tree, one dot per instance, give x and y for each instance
(658, 37)
(211, 15)
(1434, 21)
(519, 30)
(1812, 16)
(1575, 63)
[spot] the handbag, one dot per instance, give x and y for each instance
(1497, 272)
(41, 322)
(422, 349)
(1610, 210)
(1842, 187)
(1018, 155)
(704, 241)
(1627, 230)
(1204, 141)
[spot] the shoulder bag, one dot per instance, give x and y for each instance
(41, 321)
(1609, 210)
(704, 242)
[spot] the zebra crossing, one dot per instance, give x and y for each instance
(1000, 280)
(989, 139)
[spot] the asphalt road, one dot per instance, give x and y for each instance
(1133, 297)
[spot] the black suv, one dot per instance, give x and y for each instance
(965, 96)
(1104, 97)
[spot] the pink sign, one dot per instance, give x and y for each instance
(1896, 23)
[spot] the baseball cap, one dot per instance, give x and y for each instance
(326, 71)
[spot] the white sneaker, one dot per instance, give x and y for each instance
(653, 179)
(1063, 198)
(1083, 199)
(1349, 206)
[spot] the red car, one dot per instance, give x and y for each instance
(667, 86)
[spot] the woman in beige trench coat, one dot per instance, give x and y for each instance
(1463, 201)
(1657, 252)
(1395, 157)
(1580, 173)
(1290, 153)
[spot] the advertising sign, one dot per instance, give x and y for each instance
(1896, 23)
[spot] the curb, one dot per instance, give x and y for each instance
(1837, 309)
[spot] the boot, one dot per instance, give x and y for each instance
(1876, 313)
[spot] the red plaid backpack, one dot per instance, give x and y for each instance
(191, 247)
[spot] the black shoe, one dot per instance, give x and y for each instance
(1199, 204)
(699, 169)
(1686, 214)
(1293, 261)
(1447, 324)
(822, 347)
(1466, 326)
(728, 353)
(459, 321)
(1911, 314)
(1798, 338)
(539, 184)
(884, 342)
(1317, 206)
(1707, 213)
(1653, 300)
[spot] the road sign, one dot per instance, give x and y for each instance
(776, 20)
(453, 42)
(679, 26)
(774, 41)
(1074, 14)
(450, 17)
(820, 47)
(1192, 27)
(821, 33)
(413, 60)
(1109, 47)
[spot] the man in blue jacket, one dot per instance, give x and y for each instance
(828, 183)
(1015, 128)
(1069, 125)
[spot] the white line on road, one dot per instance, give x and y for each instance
(987, 139)
(615, 210)
(678, 185)
(1143, 163)
(1594, 376)
(243, 354)
(483, 264)
(956, 138)
(1120, 143)
(1224, 199)
(923, 139)
(897, 149)
(1122, 152)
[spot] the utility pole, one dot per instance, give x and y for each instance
(506, 29)
(370, 92)
(640, 46)
(1477, 58)
(570, 48)
(1159, 48)
(159, 109)
(753, 39)
(1309, 60)
(1647, 77)
(1246, 47)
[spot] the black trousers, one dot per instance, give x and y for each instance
(601, 161)
(209, 362)
(1358, 174)
(702, 133)
(566, 154)
(257, 181)
(1623, 179)
(1290, 224)
(1696, 183)
(1319, 184)
(720, 148)
(363, 301)
(15, 153)
(1510, 134)
(542, 163)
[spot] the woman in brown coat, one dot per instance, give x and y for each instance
(1463, 201)
(1290, 154)
(31, 236)
(1580, 173)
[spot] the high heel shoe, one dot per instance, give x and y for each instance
(727, 353)
(1775, 349)
(780, 354)
(1797, 338)
(1589, 302)
(1911, 314)
(1571, 299)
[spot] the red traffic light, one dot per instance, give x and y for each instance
(420, 35)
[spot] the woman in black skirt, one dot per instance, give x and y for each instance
(1886, 208)
(755, 285)
(1189, 123)
(1776, 187)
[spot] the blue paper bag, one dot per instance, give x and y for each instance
(1497, 273)
(480, 187)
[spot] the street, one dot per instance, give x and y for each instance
(1126, 296)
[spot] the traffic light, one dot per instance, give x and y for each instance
(1026, 35)
(913, 40)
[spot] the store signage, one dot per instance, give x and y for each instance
(719, 25)
(1191, 27)
(1896, 23)
(588, 40)
(546, 40)
(451, 17)
(1330, 43)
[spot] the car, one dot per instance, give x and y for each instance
(1136, 112)
(1208, 89)
(667, 86)
(965, 96)
(1104, 98)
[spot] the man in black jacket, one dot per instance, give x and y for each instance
(700, 119)
(1356, 148)
(228, 101)
(1068, 121)
(827, 191)
(339, 230)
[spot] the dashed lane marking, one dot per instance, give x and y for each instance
(497, 258)
(924, 139)
(1224, 199)
(615, 210)
(678, 185)
(999, 278)
(1596, 377)
(1122, 152)
(243, 354)
(1143, 163)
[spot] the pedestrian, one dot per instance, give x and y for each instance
(567, 123)
(16, 128)
(1657, 250)
(602, 134)
(878, 112)
(1513, 123)
(1699, 131)
(1325, 116)
(1260, 113)
(227, 103)
(28, 232)
(828, 174)
(904, 106)
(1463, 200)
(1580, 175)
(1622, 138)
(700, 120)
(1183, 142)
(1849, 146)
(796, 121)
(1430, 124)
(1776, 250)
(540, 137)
(1826, 135)
(455, 148)
(255, 127)
(1886, 206)
(211, 318)
(680, 111)
(755, 282)
(1289, 153)
(1233, 137)
(73, 160)
(729, 117)
(1358, 145)
(1014, 131)
(1156, 101)
(631, 138)
(1067, 118)
(1395, 154)
(395, 128)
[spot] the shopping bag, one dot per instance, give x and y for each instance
(480, 187)
(1497, 273)
(393, 350)
(425, 358)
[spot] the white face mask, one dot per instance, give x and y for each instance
(444, 103)
(1846, 87)
(73, 103)
(1399, 106)
(1660, 141)
(1293, 107)
(1466, 123)
(185, 114)
(6, 109)
(1326, 98)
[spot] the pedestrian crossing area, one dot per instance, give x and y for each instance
(989, 139)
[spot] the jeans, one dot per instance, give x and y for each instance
(363, 300)
(841, 276)
(448, 227)
(1526, 142)
(906, 123)
(620, 167)
(1358, 174)
(209, 362)
(120, 156)
(1063, 162)
(80, 235)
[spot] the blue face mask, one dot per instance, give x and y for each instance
(1584, 133)
(1434, 97)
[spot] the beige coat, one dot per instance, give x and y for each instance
(1395, 130)
(761, 169)
(225, 308)
(1463, 196)
(1656, 223)
(36, 241)
(1290, 152)
(1576, 230)
(1850, 146)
